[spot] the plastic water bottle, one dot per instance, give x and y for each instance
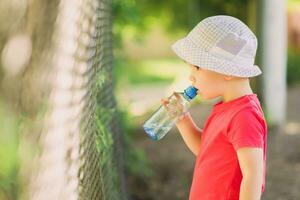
(160, 123)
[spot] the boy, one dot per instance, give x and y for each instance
(231, 148)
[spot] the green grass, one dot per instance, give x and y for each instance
(293, 2)
(9, 164)
(128, 75)
(136, 161)
(293, 67)
(154, 71)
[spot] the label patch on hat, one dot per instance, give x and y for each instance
(229, 46)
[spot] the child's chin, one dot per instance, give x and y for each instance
(206, 98)
(203, 97)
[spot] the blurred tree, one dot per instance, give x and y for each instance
(174, 15)
(135, 17)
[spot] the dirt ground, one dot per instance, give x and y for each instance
(173, 163)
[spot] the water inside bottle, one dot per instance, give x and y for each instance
(155, 131)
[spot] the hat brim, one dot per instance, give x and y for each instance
(189, 52)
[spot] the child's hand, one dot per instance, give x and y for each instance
(174, 107)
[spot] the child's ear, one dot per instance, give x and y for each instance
(227, 77)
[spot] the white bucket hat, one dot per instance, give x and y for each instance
(222, 44)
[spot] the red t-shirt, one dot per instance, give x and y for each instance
(230, 126)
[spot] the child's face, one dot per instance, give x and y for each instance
(209, 84)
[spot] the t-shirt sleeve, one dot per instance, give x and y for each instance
(246, 130)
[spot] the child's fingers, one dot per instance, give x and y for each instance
(171, 96)
(163, 100)
(172, 106)
(177, 96)
(165, 103)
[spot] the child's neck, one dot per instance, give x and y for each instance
(237, 89)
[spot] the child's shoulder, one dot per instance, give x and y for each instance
(245, 109)
(250, 112)
(248, 109)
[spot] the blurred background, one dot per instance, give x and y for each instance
(79, 78)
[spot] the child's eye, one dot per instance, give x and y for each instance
(197, 68)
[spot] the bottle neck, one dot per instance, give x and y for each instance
(187, 98)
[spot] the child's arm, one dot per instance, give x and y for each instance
(190, 133)
(251, 163)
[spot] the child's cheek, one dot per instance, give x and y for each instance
(209, 90)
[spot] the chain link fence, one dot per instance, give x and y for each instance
(64, 88)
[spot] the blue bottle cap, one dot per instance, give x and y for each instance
(190, 92)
